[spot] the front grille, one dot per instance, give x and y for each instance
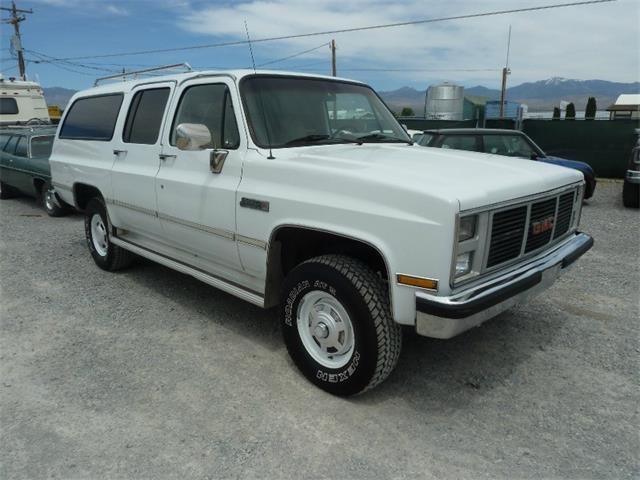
(506, 235)
(525, 228)
(565, 211)
(543, 216)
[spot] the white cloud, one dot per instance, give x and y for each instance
(116, 10)
(596, 41)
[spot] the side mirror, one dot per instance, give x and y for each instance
(193, 136)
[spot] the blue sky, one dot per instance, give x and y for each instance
(599, 41)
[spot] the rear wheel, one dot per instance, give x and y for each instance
(98, 232)
(52, 205)
(631, 195)
(337, 324)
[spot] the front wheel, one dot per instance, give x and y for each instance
(6, 191)
(98, 232)
(337, 324)
(631, 195)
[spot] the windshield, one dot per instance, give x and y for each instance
(41, 146)
(294, 111)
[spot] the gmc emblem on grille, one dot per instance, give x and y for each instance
(542, 226)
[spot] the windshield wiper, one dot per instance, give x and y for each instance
(313, 138)
(383, 138)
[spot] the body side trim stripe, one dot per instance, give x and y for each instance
(253, 242)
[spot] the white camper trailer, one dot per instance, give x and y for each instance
(22, 103)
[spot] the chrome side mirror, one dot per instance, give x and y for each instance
(193, 136)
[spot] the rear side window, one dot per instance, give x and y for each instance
(145, 116)
(92, 118)
(41, 146)
(21, 148)
(3, 140)
(10, 146)
(8, 106)
(209, 105)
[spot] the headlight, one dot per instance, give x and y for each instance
(463, 263)
(467, 228)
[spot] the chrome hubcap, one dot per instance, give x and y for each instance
(99, 235)
(325, 329)
(48, 199)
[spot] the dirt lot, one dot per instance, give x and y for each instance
(149, 374)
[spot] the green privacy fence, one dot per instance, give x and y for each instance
(603, 144)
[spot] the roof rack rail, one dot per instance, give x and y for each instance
(124, 75)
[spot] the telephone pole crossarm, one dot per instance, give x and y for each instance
(16, 41)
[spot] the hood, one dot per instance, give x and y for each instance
(472, 179)
(582, 166)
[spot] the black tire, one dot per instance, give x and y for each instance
(6, 191)
(377, 339)
(107, 256)
(48, 199)
(631, 195)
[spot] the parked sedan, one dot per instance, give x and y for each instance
(24, 166)
(511, 143)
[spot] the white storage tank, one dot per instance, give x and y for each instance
(444, 102)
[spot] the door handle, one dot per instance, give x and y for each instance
(118, 152)
(164, 156)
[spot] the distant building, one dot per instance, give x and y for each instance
(512, 110)
(473, 108)
(626, 107)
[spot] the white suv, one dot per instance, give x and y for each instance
(304, 191)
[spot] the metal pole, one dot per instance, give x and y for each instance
(333, 58)
(17, 40)
(505, 72)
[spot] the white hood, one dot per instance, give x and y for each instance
(473, 179)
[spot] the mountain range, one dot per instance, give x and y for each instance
(540, 95)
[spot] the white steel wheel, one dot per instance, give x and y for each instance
(325, 329)
(99, 235)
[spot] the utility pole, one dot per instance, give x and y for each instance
(505, 72)
(333, 58)
(16, 41)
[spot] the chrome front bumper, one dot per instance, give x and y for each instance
(446, 317)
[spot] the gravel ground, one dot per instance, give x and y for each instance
(148, 373)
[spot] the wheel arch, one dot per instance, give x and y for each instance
(83, 192)
(311, 241)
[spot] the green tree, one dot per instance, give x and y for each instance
(570, 113)
(407, 112)
(590, 111)
(556, 113)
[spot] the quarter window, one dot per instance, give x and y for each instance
(21, 148)
(211, 106)
(8, 106)
(41, 146)
(3, 140)
(145, 116)
(92, 118)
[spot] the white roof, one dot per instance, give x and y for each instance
(628, 99)
(115, 85)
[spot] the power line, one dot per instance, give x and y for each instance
(343, 30)
(294, 55)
